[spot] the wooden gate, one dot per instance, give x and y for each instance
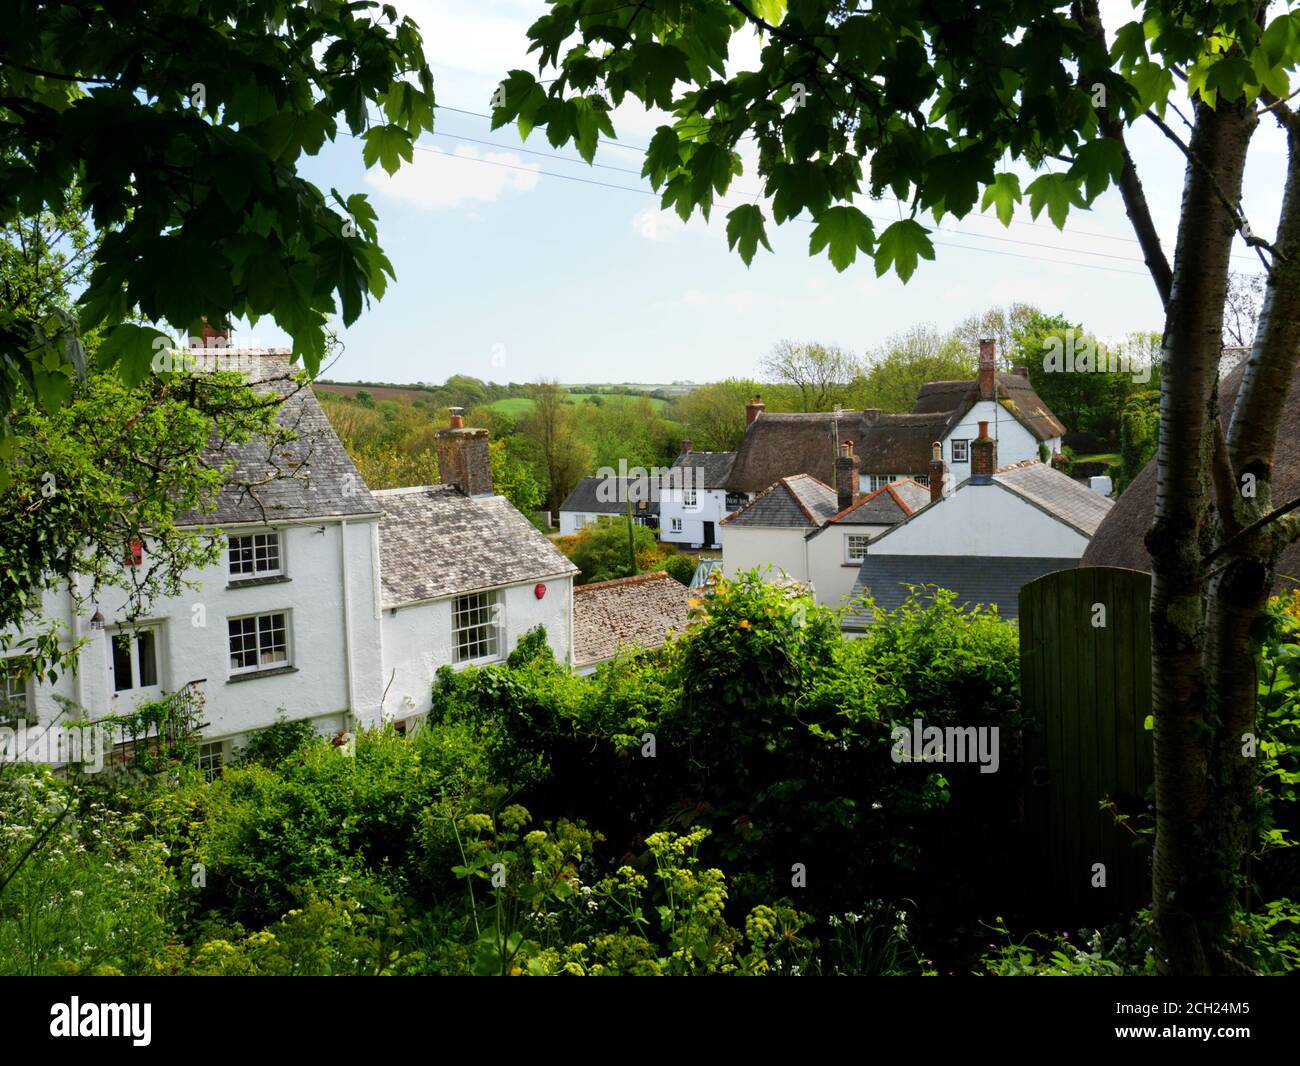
(1085, 676)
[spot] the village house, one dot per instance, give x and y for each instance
(597, 496)
(804, 530)
(893, 447)
(693, 499)
(330, 602)
(996, 531)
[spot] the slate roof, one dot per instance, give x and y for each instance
(630, 612)
(887, 505)
(994, 581)
(797, 502)
(434, 541)
(1059, 495)
(589, 496)
(316, 477)
(712, 469)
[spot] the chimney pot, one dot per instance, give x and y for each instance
(457, 417)
(753, 409)
(937, 471)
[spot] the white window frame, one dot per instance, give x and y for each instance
(691, 499)
(263, 665)
(483, 615)
(674, 525)
(965, 450)
(849, 538)
(212, 759)
(134, 635)
(258, 545)
(18, 696)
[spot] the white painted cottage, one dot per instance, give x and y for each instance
(330, 602)
(994, 533)
(693, 498)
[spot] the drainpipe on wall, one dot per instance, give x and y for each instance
(78, 689)
(347, 622)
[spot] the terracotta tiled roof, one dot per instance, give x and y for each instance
(636, 612)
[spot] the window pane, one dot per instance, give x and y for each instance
(147, 659)
(243, 643)
(121, 662)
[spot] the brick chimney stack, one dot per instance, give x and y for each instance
(871, 415)
(686, 447)
(846, 475)
(937, 471)
(753, 409)
(213, 337)
(983, 457)
(988, 369)
(463, 457)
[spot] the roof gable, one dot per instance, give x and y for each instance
(1059, 495)
(797, 502)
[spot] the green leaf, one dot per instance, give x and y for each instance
(901, 245)
(844, 230)
(1004, 194)
(746, 229)
(1056, 192)
(1153, 82)
(1098, 163)
(389, 145)
(132, 348)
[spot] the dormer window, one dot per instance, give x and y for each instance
(253, 555)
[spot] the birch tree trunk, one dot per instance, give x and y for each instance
(1181, 531)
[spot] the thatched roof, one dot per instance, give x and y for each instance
(1119, 541)
(900, 444)
(778, 445)
(781, 445)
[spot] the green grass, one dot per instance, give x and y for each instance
(519, 405)
(1101, 457)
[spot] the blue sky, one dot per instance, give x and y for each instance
(509, 272)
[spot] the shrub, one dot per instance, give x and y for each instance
(681, 568)
(271, 746)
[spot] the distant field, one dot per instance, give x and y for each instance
(518, 405)
(511, 405)
(379, 392)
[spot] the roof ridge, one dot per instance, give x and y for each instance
(633, 579)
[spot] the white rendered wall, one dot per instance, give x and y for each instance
(982, 520)
(747, 547)
(831, 576)
(711, 506)
(417, 640)
(192, 638)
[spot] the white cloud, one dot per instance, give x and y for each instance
(433, 180)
